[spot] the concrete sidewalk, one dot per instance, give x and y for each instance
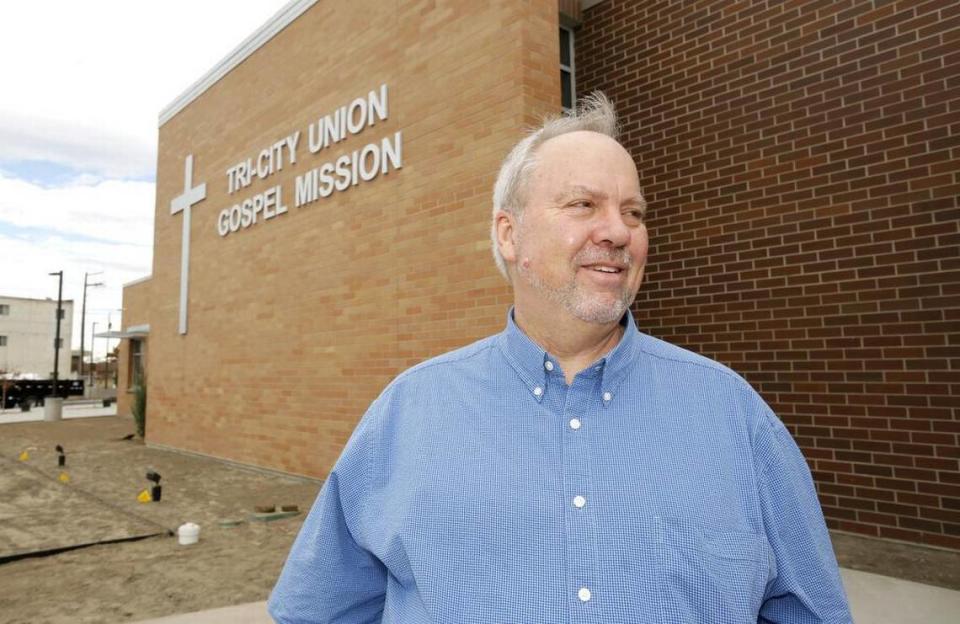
(874, 599)
(74, 408)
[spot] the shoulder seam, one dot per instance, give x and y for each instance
(767, 424)
(444, 360)
(717, 368)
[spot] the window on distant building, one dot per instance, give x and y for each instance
(3, 341)
(4, 309)
(58, 343)
(568, 83)
(61, 312)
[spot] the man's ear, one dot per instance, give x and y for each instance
(505, 224)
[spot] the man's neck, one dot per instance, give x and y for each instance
(575, 343)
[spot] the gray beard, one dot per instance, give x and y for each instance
(580, 304)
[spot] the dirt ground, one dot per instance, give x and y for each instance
(129, 581)
(155, 576)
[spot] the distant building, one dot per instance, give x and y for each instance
(28, 328)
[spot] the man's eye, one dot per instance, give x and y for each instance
(582, 203)
(633, 217)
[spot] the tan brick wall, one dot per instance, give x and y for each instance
(296, 324)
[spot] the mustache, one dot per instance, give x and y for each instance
(594, 255)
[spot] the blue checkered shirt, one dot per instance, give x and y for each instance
(480, 488)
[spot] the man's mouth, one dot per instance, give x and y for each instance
(603, 268)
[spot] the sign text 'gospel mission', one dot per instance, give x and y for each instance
(339, 174)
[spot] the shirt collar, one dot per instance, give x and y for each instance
(530, 360)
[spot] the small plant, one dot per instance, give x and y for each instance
(139, 407)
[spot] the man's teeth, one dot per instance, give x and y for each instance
(604, 269)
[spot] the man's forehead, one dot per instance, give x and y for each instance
(584, 151)
(580, 139)
(584, 160)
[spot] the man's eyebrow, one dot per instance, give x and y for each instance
(585, 191)
(578, 191)
(638, 200)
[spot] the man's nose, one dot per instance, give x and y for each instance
(610, 228)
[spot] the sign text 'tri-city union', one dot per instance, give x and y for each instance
(336, 175)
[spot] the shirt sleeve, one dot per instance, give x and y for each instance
(807, 586)
(328, 576)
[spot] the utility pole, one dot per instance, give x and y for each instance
(83, 315)
(56, 341)
(106, 355)
(93, 356)
(110, 329)
(53, 406)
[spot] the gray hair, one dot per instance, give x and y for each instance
(594, 113)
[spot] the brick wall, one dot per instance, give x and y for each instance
(801, 162)
(296, 324)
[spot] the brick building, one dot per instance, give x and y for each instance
(800, 161)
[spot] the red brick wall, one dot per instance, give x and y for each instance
(802, 167)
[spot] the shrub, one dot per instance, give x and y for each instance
(139, 407)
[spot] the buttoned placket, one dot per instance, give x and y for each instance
(578, 409)
(577, 406)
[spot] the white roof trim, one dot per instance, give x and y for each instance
(251, 44)
(118, 335)
(46, 299)
(138, 280)
(134, 331)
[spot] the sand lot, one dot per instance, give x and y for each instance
(131, 580)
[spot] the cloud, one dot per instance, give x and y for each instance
(78, 133)
(81, 80)
(111, 210)
(32, 259)
(29, 258)
(105, 226)
(76, 146)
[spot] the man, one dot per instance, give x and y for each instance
(569, 469)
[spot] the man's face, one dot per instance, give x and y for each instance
(580, 243)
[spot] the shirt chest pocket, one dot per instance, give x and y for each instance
(711, 576)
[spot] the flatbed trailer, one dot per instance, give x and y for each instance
(34, 391)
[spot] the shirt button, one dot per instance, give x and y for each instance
(583, 594)
(574, 423)
(579, 501)
(548, 365)
(537, 391)
(607, 396)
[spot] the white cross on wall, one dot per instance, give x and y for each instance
(182, 203)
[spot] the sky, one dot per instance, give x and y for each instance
(83, 84)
